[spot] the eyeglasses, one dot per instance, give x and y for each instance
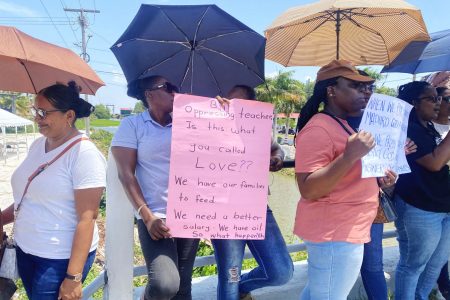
(167, 86)
(434, 99)
(42, 113)
(362, 86)
(446, 99)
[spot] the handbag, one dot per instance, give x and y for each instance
(386, 211)
(8, 266)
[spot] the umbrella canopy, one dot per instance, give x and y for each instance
(200, 48)
(28, 64)
(364, 32)
(420, 57)
(439, 79)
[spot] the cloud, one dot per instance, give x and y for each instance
(271, 74)
(18, 10)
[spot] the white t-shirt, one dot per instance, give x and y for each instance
(47, 219)
(442, 129)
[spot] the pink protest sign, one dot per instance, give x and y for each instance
(219, 167)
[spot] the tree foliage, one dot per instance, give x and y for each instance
(286, 93)
(23, 103)
(138, 107)
(102, 112)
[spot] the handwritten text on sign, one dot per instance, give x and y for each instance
(386, 118)
(219, 167)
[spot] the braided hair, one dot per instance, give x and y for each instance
(311, 106)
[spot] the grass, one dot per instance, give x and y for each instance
(98, 123)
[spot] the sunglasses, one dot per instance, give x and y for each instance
(446, 99)
(167, 86)
(434, 99)
(42, 113)
(362, 86)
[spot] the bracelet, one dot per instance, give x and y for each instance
(140, 207)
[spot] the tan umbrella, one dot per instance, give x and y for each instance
(27, 64)
(364, 32)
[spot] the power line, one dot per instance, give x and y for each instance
(83, 24)
(101, 50)
(57, 30)
(104, 63)
(101, 37)
(30, 18)
(109, 72)
(67, 16)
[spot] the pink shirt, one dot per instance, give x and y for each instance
(345, 214)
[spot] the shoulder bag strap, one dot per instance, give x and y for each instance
(38, 171)
(339, 121)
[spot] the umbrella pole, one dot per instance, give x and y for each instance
(338, 29)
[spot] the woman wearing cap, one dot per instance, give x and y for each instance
(55, 228)
(422, 198)
(337, 206)
(141, 148)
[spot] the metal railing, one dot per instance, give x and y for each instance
(200, 261)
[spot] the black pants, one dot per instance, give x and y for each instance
(169, 265)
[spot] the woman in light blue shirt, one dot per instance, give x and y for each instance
(141, 148)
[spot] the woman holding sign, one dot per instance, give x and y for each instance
(274, 262)
(141, 148)
(337, 207)
(423, 198)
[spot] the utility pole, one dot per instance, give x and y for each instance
(84, 24)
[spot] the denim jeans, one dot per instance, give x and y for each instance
(333, 268)
(372, 273)
(274, 262)
(42, 277)
(169, 265)
(424, 243)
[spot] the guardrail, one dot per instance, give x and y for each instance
(200, 261)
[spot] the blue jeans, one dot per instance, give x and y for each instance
(274, 262)
(42, 277)
(372, 266)
(424, 243)
(333, 268)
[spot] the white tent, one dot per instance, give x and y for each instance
(8, 119)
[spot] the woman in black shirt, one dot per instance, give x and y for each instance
(423, 198)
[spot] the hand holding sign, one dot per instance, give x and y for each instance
(358, 145)
(219, 168)
(386, 118)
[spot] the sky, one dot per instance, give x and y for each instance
(46, 20)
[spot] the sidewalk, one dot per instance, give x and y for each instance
(6, 171)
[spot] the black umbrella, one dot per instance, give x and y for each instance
(200, 48)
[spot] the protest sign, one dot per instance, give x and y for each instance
(219, 168)
(386, 118)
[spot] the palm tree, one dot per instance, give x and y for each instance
(285, 92)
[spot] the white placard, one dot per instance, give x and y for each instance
(386, 118)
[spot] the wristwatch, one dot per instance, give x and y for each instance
(76, 277)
